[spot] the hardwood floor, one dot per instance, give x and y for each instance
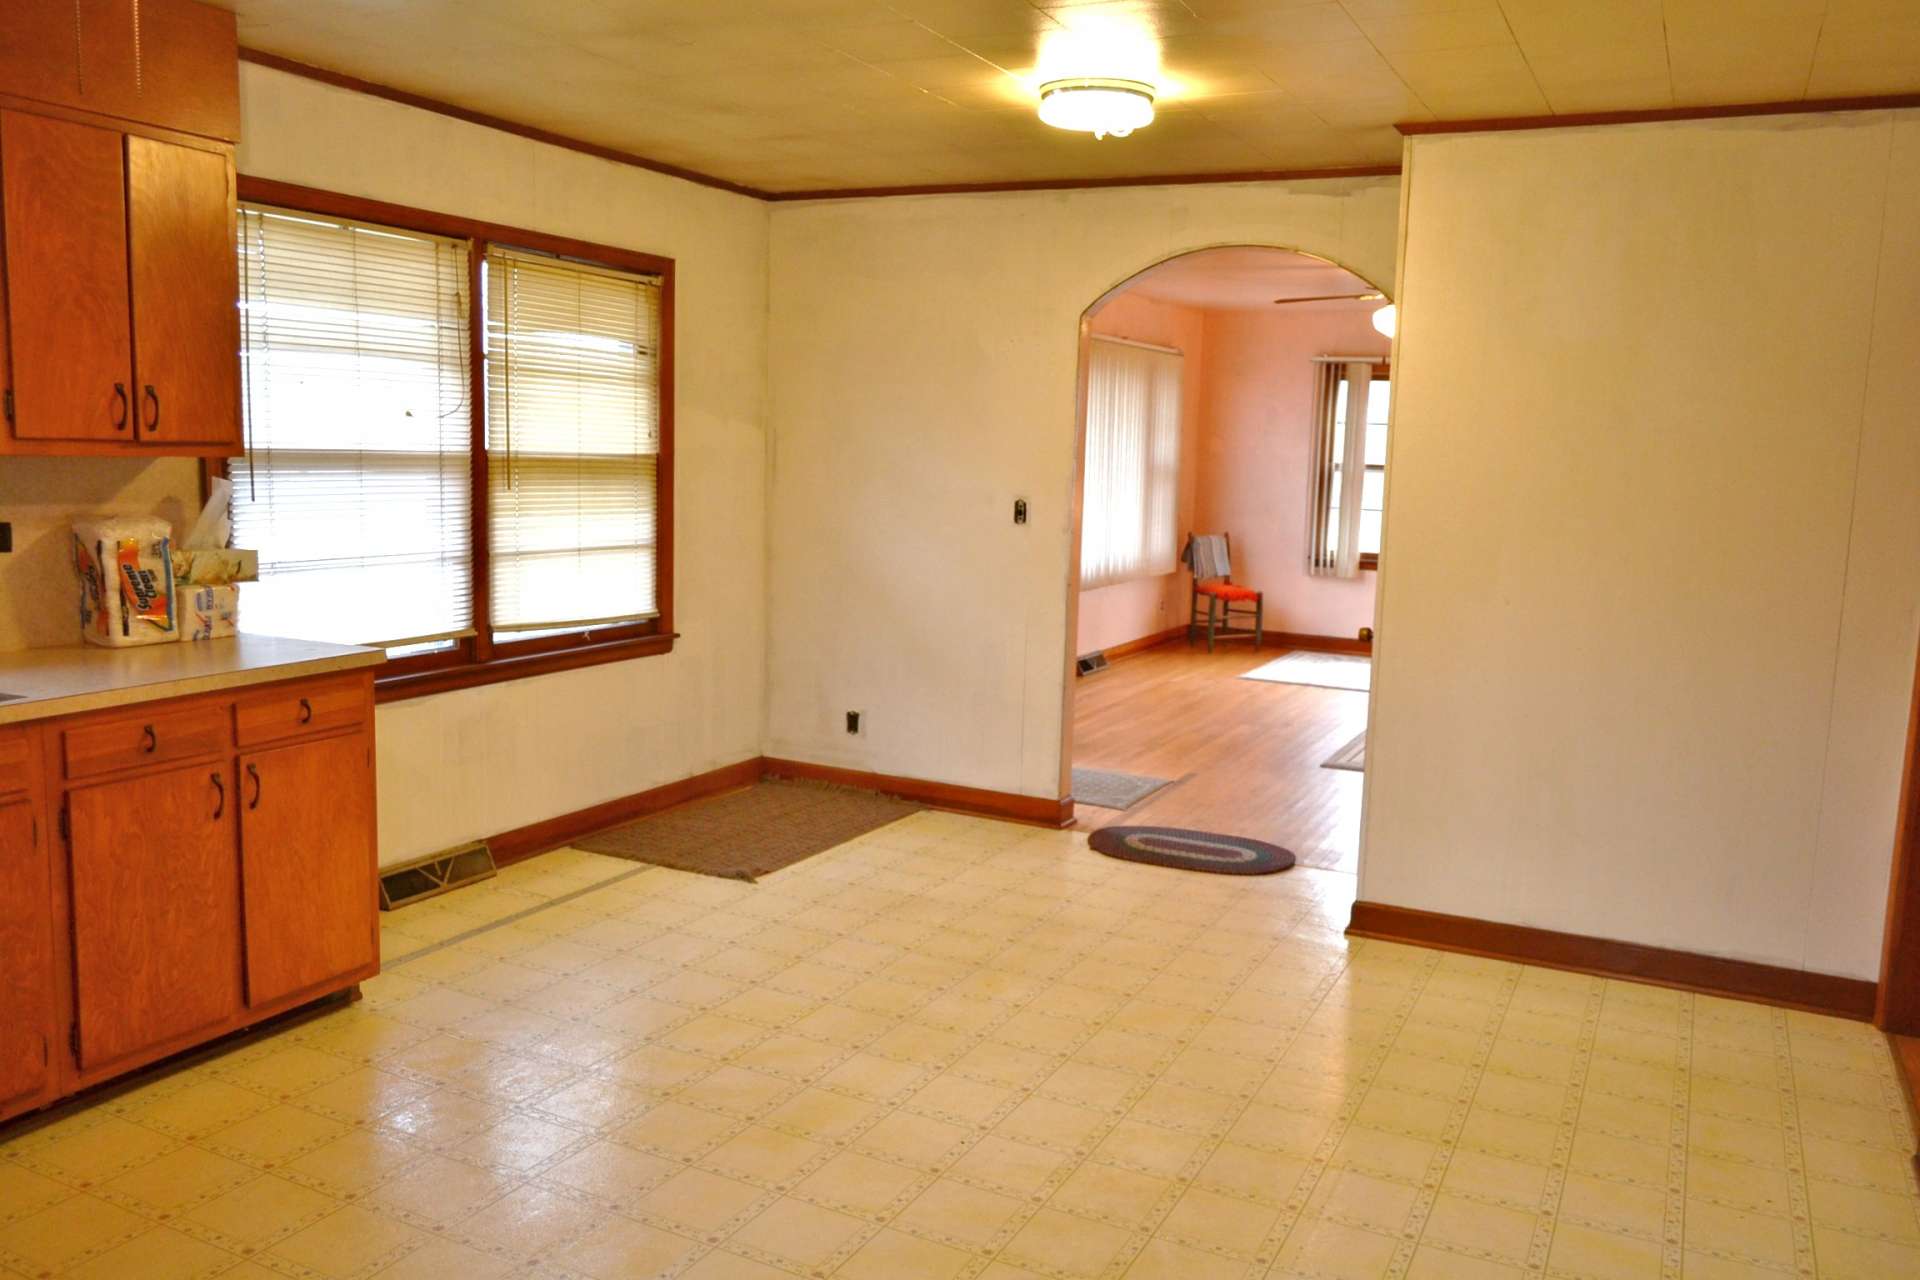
(1245, 754)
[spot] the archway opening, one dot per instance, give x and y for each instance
(1221, 596)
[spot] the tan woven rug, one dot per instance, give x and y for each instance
(747, 833)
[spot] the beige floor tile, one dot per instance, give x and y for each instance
(164, 1187)
(795, 1233)
(530, 1223)
(67, 1233)
(159, 1254)
(349, 1242)
(964, 1216)
(620, 1248)
(894, 1255)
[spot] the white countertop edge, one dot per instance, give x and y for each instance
(72, 679)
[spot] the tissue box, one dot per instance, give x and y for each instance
(202, 568)
(126, 581)
(211, 612)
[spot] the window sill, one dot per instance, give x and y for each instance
(1370, 562)
(415, 684)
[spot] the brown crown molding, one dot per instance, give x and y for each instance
(1079, 184)
(341, 80)
(1656, 115)
(1610, 958)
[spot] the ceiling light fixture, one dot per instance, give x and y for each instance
(1386, 318)
(1103, 106)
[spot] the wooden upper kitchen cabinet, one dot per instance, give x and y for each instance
(186, 287)
(65, 228)
(166, 63)
(119, 324)
(26, 930)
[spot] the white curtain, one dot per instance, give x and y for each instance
(1337, 477)
(1132, 463)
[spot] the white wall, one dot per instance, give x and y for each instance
(480, 761)
(922, 359)
(1648, 619)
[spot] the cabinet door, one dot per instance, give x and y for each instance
(156, 909)
(39, 51)
(26, 940)
(65, 223)
(307, 851)
(186, 328)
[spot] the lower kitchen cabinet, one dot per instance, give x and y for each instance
(26, 942)
(156, 910)
(306, 831)
(174, 871)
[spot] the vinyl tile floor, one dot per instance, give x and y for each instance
(959, 1048)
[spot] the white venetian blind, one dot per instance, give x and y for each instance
(355, 488)
(1131, 493)
(573, 442)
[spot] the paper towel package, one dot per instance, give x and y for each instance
(125, 565)
(211, 612)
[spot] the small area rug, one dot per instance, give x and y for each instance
(1191, 850)
(1105, 789)
(744, 834)
(1352, 756)
(1328, 670)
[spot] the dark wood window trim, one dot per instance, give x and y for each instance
(479, 659)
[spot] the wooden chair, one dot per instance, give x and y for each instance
(1222, 594)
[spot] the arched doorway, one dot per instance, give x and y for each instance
(1264, 344)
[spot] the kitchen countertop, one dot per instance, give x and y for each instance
(63, 681)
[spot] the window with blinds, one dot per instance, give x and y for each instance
(355, 488)
(1132, 463)
(573, 443)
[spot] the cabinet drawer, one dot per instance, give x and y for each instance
(178, 733)
(15, 764)
(300, 709)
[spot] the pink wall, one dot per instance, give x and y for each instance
(1255, 452)
(1129, 610)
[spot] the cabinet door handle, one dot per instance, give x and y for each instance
(149, 740)
(120, 399)
(254, 773)
(152, 399)
(220, 795)
(306, 711)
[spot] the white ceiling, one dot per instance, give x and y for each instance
(1250, 279)
(789, 95)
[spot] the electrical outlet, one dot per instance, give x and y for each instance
(853, 722)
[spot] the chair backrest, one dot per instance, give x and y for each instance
(1210, 556)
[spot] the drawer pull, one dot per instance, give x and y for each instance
(120, 398)
(149, 740)
(220, 795)
(153, 401)
(254, 773)
(306, 711)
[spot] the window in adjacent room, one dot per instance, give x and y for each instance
(1132, 467)
(1331, 491)
(459, 440)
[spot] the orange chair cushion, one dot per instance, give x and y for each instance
(1226, 591)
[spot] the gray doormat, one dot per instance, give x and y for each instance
(748, 833)
(1106, 789)
(1352, 756)
(1188, 850)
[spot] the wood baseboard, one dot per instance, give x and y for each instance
(1316, 644)
(538, 837)
(1037, 810)
(1116, 652)
(1660, 966)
